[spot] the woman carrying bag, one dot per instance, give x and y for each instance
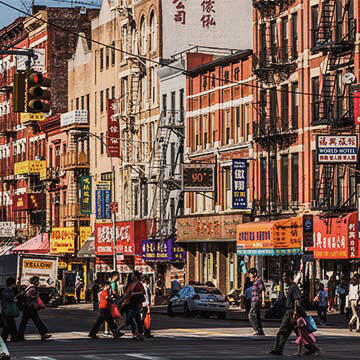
(10, 311)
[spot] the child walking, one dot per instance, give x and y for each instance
(305, 337)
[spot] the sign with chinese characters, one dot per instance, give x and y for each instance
(198, 177)
(85, 194)
(356, 95)
(208, 17)
(239, 184)
(29, 202)
(7, 229)
(113, 131)
(337, 149)
(103, 200)
(336, 238)
(63, 240)
(29, 117)
(308, 231)
(166, 250)
(208, 228)
(128, 237)
(84, 234)
(141, 266)
(74, 117)
(29, 167)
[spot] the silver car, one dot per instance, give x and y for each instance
(202, 300)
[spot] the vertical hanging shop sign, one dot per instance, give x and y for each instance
(239, 184)
(103, 200)
(113, 131)
(85, 194)
(308, 231)
(356, 97)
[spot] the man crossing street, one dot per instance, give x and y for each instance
(257, 301)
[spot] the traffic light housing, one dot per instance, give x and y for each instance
(37, 93)
(19, 92)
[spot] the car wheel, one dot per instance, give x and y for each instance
(222, 316)
(187, 311)
(170, 311)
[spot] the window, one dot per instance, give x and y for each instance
(284, 181)
(273, 180)
(172, 103)
(294, 36)
(295, 177)
(237, 125)
(351, 21)
(153, 85)
(204, 82)
(263, 184)
(164, 104)
(88, 103)
(227, 188)
(82, 103)
(50, 156)
(101, 59)
(339, 95)
(227, 126)
(113, 53)
(284, 39)
(247, 122)
(213, 128)
(285, 107)
(153, 37)
(352, 189)
(107, 95)
(273, 39)
(273, 108)
(262, 41)
(339, 21)
(181, 102)
(113, 92)
(295, 105)
(101, 101)
(143, 35)
(77, 104)
(315, 88)
(226, 76)
(124, 42)
(143, 90)
(102, 143)
(134, 41)
(315, 169)
(205, 126)
(263, 106)
(340, 189)
(237, 74)
(107, 51)
(314, 24)
(172, 157)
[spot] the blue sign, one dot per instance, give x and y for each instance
(239, 184)
(103, 200)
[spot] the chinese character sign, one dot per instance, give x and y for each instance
(180, 11)
(85, 194)
(239, 184)
(103, 200)
(113, 132)
(63, 240)
(337, 148)
(208, 12)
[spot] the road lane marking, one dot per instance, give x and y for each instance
(144, 357)
(40, 358)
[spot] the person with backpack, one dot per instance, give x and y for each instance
(31, 306)
(10, 311)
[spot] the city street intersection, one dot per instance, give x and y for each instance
(175, 338)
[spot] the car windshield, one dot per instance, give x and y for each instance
(206, 290)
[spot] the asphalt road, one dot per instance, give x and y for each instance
(175, 338)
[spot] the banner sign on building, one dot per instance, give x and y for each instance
(63, 240)
(167, 250)
(336, 149)
(29, 202)
(29, 167)
(113, 131)
(239, 184)
(29, 117)
(356, 95)
(103, 200)
(198, 177)
(75, 117)
(85, 194)
(7, 229)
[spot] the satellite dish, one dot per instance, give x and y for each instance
(348, 78)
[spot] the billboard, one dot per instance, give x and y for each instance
(198, 177)
(113, 130)
(336, 149)
(63, 240)
(239, 184)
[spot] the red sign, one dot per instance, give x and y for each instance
(28, 202)
(356, 107)
(336, 238)
(114, 207)
(129, 236)
(106, 265)
(113, 132)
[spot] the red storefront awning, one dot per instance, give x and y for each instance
(38, 245)
(336, 238)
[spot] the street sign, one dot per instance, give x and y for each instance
(198, 177)
(114, 207)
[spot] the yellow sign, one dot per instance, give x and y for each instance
(85, 233)
(43, 174)
(62, 264)
(32, 264)
(63, 240)
(28, 117)
(29, 167)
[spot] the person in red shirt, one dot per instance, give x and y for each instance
(105, 314)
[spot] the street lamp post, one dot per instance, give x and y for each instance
(80, 133)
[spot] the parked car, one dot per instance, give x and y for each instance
(202, 300)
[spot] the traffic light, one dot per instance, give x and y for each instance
(19, 92)
(37, 93)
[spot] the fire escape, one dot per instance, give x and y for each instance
(334, 37)
(273, 63)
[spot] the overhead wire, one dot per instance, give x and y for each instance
(146, 59)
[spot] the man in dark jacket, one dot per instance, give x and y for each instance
(8, 298)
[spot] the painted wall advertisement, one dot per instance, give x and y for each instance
(337, 149)
(63, 240)
(85, 194)
(103, 200)
(113, 130)
(239, 184)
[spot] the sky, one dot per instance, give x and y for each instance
(7, 15)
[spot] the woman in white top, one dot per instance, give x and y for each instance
(353, 298)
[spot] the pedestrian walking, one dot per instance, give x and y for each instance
(322, 298)
(146, 307)
(257, 301)
(78, 286)
(304, 336)
(31, 306)
(10, 311)
(353, 298)
(175, 286)
(332, 292)
(247, 295)
(342, 290)
(293, 304)
(95, 295)
(105, 313)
